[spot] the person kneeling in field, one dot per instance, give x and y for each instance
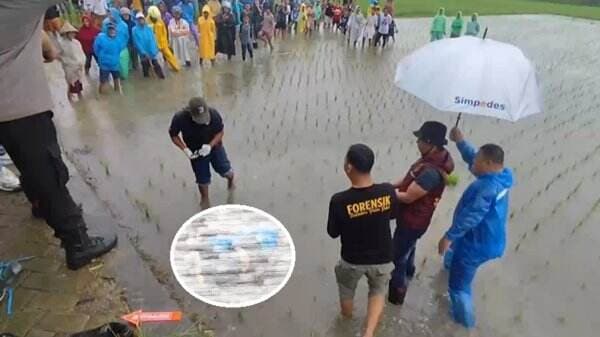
(478, 231)
(361, 216)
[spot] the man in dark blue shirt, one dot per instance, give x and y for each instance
(202, 130)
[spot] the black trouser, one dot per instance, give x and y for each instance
(247, 47)
(405, 242)
(133, 56)
(378, 37)
(88, 61)
(157, 69)
(31, 143)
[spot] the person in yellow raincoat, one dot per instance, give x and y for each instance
(208, 34)
(302, 19)
(162, 40)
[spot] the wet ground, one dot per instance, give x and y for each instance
(290, 117)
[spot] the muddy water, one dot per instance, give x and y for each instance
(290, 117)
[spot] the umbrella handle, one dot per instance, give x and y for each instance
(458, 120)
(485, 33)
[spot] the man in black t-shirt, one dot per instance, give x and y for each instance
(202, 131)
(361, 217)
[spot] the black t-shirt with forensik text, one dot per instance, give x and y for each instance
(361, 216)
(195, 135)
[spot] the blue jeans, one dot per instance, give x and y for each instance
(405, 245)
(462, 272)
(217, 159)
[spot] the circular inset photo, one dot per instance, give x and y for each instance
(232, 256)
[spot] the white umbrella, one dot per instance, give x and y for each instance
(472, 75)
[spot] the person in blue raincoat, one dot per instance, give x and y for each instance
(145, 44)
(107, 48)
(478, 231)
(188, 13)
(123, 35)
(236, 10)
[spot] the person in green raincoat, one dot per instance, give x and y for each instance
(473, 26)
(457, 25)
(438, 27)
(318, 15)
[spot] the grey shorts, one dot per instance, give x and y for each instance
(348, 275)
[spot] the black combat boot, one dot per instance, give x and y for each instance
(81, 249)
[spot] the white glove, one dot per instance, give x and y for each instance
(204, 150)
(189, 153)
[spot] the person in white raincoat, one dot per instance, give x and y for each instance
(179, 29)
(369, 32)
(357, 25)
(72, 59)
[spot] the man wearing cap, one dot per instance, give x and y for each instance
(202, 130)
(28, 134)
(418, 193)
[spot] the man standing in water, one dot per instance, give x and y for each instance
(28, 134)
(478, 231)
(419, 193)
(202, 130)
(361, 216)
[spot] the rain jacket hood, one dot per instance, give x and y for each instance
(479, 224)
(206, 8)
(122, 28)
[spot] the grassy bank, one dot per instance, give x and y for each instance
(425, 8)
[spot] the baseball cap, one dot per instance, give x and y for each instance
(139, 15)
(199, 110)
(432, 132)
(125, 11)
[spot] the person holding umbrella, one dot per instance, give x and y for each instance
(419, 193)
(478, 231)
(438, 27)
(457, 25)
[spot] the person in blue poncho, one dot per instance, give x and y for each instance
(145, 44)
(478, 231)
(107, 48)
(188, 13)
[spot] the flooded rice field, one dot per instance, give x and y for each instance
(290, 117)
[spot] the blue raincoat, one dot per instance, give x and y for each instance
(478, 233)
(187, 12)
(122, 28)
(237, 9)
(144, 41)
(108, 52)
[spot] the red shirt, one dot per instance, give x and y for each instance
(86, 37)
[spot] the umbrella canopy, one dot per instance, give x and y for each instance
(472, 75)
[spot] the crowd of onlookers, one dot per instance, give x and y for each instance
(439, 26)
